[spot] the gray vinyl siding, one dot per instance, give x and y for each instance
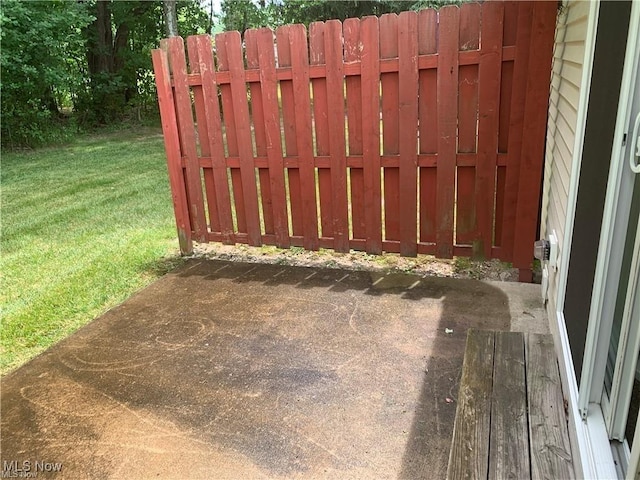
(567, 73)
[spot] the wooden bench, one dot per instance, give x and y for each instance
(510, 419)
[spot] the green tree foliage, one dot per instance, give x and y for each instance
(86, 60)
(242, 14)
(119, 41)
(42, 68)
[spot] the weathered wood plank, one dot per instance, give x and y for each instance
(509, 449)
(206, 67)
(550, 448)
(269, 85)
(408, 171)
(428, 124)
(336, 102)
(535, 117)
(304, 137)
(321, 124)
(352, 53)
(186, 129)
(518, 97)
(390, 126)
(448, 31)
(289, 128)
(172, 148)
(470, 446)
(488, 104)
(370, 55)
(233, 44)
(259, 129)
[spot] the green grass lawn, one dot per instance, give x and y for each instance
(83, 227)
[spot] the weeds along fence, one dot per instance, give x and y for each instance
(414, 133)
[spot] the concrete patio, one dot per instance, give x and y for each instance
(236, 370)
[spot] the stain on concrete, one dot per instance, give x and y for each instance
(231, 370)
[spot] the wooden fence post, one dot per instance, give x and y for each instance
(172, 148)
(535, 116)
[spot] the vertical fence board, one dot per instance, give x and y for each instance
(428, 127)
(489, 81)
(203, 137)
(408, 149)
(351, 29)
(335, 93)
(390, 125)
(466, 205)
(269, 86)
(187, 137)
(321, 123)
(516, 126)
(172, 148)
(370, 66)
(447, 124)
(231, 138)
(532, 156)
(259, 132)
(302, 102)
(215, 138)
(510, 32)
(289, 125)
(243, 131)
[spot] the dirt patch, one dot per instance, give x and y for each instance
(424, 265)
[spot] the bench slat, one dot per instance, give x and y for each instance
(550, 448)
(509, 449)
(470, 448)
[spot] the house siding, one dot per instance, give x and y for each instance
(567, 73)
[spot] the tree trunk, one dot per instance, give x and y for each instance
(100, 42)
(170, 17)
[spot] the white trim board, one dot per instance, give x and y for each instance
(591, 451)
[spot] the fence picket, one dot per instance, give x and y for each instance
(428, 127)
(489, 97)
(532, 154)
(335, 103)
(390, 127)
(408, 121)
(469, 31)
(172, 148)
(321, 123)
(269, 86)
(370, 65)
(447, 125)
(302, 102)
(289, 126)
(232, 43)
(510, 30)
(186, 129)
(351, 29)
(206, 67)
(259, 132)
(231, 138)
(516, 125)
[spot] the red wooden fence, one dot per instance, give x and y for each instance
(399, 134)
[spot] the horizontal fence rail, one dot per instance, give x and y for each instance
(404, 133)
